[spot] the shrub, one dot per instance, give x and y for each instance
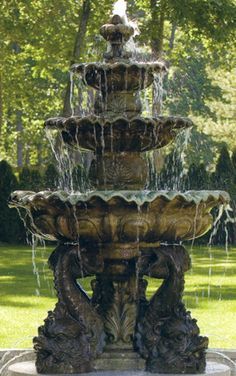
(11, 227)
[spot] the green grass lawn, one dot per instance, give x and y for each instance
(210, 294)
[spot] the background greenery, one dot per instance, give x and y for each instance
(41, 39)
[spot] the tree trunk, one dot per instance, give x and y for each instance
(1, 104)
(78, 48)
(157, 38)
(172, 35)
(157, 26)
(19, 143)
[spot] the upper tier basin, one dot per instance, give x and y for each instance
(127, 217)
(118, 76)
(120, 134)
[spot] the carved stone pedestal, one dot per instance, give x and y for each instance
(121, 360)
(118, 328)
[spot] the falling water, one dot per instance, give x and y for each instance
(65, 163)
(145, 94)
(77, 241)
(102, 156)
(216, 224)
(158, 93)
(173, 177)
(181, 159)
(35, 268)
(137, 268)
(229, 220)
(105, 92)
(32, 240)
(71, 92)
(214, 230)
(27, 232)
(194, 227)
(120, 8)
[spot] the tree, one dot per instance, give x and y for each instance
(11, 228)
(224, 170)
(41, 39)
(51, 177)
(24, 179)
(198, 178)
(216, 25)
(78, 49)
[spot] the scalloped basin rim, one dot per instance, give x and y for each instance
(24, 197)
(59, 121)
(139, 65)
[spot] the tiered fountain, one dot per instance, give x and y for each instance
(118, 234)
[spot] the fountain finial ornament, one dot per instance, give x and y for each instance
(119, 233)
(117, 33)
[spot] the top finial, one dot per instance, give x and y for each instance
(117, 32)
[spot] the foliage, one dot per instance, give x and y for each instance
(11, 227)
(197, 177)
(51, 177)
(224, 171)
(10, 224)
(189, 84)
(37, 49)
(212, 21)
(30, 179)
(24, 178)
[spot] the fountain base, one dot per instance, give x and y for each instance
(28, 369)
(119, 328)
(122, 360)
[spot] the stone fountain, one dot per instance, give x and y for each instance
(119, 233)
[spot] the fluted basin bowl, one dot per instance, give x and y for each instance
(118, 76)
(126, 218)
(138, 134)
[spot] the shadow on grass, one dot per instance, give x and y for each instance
(5, 301)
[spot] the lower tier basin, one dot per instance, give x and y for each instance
(125, 217)
(28, 369)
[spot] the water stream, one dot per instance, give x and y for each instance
(71, 92)
(158, 93)
(35, 268)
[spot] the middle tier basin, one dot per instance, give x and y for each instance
(119, 76)
(102, 134)
(126, 217)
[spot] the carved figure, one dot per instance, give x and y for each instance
(167, 336)
(72, 336)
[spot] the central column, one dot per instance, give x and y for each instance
(115, 296)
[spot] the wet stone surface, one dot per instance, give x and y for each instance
(28, 369)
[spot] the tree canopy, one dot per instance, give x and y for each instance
(40, 39)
